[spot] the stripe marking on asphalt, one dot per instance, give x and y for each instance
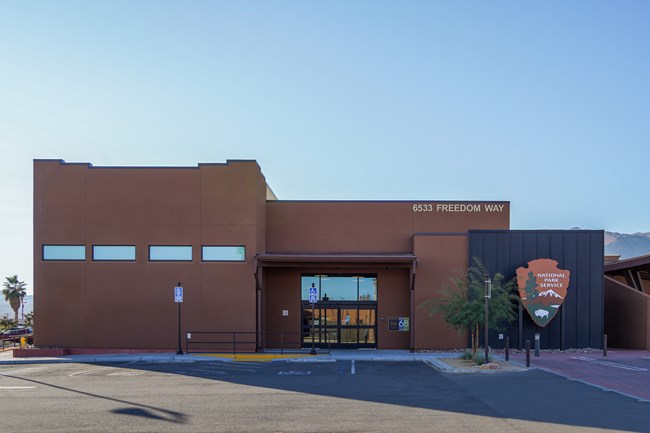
(21, 370)
(83, 373)
(609, 363)
(17, 387)
(352, 369)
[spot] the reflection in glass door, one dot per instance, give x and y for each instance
(340, 324)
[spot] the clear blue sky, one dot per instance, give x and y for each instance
(545, 104)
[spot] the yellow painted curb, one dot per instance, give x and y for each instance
(253, 357)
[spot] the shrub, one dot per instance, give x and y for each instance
(480, 359)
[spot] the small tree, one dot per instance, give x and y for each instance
(462, 303)
(29, 319)
(6, 322)
(14, 293)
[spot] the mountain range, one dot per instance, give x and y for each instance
(550, 293)
(627, 245)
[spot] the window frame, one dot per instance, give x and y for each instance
(203, 260)
(191, 259)
(319, 284)
(43, 246)
(135, 253)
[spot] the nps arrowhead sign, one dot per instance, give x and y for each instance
(542, 289)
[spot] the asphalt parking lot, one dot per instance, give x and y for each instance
(338, 396)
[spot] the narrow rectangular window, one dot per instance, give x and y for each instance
(170, 253)
(223, 253)
(64, 252)
(125, 253)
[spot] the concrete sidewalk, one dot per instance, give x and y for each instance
(6, 357)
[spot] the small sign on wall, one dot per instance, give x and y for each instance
(285, 313)
(400, 324)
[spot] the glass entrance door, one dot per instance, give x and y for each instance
(340, 324)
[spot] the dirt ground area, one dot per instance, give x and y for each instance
(470, 366)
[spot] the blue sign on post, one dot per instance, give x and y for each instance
(178, 294)
(313, 295)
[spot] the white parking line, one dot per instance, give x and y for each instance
(250, 370)
(84, 373)
(237, 366)
(352, 369)
(126, 373)
(203, 372)
(17, 387)
(22, 370)
(609, 363)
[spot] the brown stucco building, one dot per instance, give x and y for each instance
(404, 252)
(111, 243)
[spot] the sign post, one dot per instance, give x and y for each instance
(488, 295)
(313, 297)
(178, 298)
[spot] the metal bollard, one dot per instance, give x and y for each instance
(507, 348)
(537, 345)
(605, 345)
(527, 353)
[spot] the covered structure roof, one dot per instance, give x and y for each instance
(635, 272)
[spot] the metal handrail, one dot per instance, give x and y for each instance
(14, 339)
(259, 343)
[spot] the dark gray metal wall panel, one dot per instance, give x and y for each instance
(503, 248)
(543, 244)
(597, 295)
(516, 241)
(580, 320)
(571, 303)
(490, 259)
(530, 248)
(516, 246)
(583, 286)
(478, 247)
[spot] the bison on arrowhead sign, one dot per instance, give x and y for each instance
(542, 288)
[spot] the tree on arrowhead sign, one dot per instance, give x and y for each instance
(542, 289)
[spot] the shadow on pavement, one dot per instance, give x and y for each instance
(532, 395)
(134, 409)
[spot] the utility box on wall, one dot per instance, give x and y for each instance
(579, 323)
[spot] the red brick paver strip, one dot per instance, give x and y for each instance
(623, 371)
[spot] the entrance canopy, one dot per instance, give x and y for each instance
(333, 331)
(336, 260)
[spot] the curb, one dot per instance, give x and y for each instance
(440, 366)
(443, 367)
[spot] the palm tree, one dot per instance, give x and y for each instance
(14, 293)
